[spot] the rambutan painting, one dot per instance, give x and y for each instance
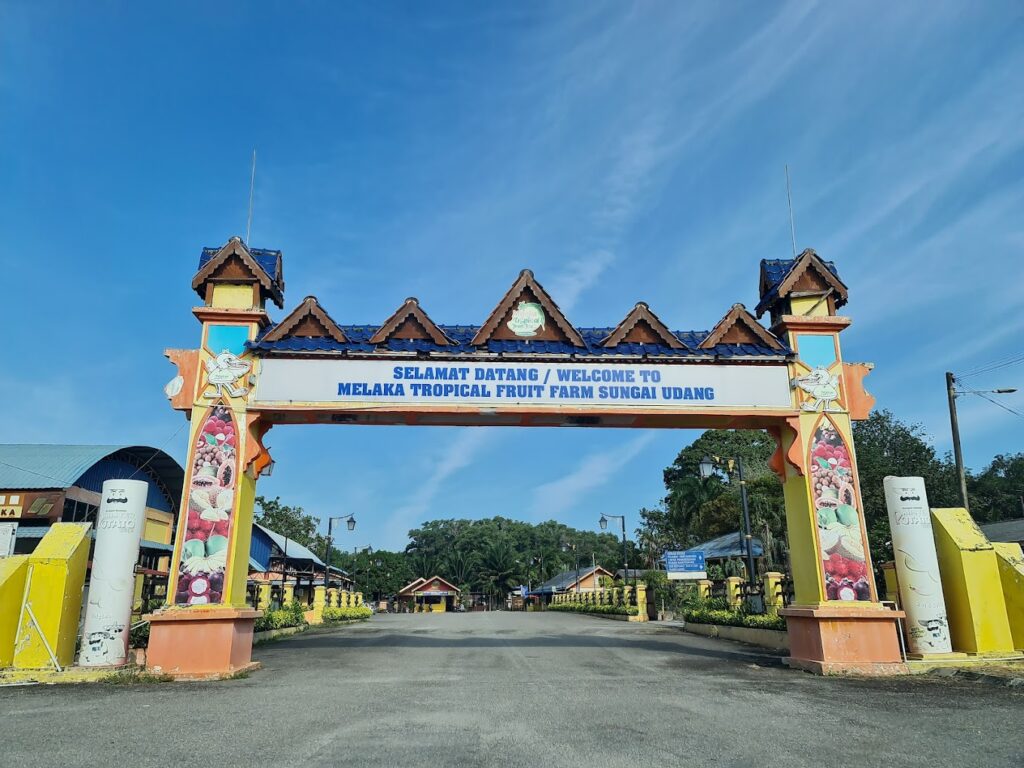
(211, 499)
(840, 535)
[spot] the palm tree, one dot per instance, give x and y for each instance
(460, 567)
(498, 566)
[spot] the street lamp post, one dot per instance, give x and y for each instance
(707, 468)
(625, 559)
(953, 393)
(572, 547)
(351, 523)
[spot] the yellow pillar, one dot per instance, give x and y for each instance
(704, 589)
(971, 584)
(319, 601)
(53, 598)
(289, 595)
(641, 603)
(732, 591)
(263, 601)
(1011, 573)
(12, 589)
(359, 600)
(892, 582)
(772, 581)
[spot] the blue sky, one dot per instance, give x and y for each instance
(623, 151)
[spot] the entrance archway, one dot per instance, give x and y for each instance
(525, 365)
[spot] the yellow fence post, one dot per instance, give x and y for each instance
(319, 602)
(641, 603)
(732, 591)
(704, 589)
(772, 590)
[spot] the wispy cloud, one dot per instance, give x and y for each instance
(554, 499)
(446, 461)
(577, 276)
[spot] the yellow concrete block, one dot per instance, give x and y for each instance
(969, 571)
(53, 590)
(1011, 574)
(732, 591)
(12, 591)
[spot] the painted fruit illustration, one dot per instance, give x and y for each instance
(211, 501)
(839, 529)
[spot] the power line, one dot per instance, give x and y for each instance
(994, 365)
(996, 402)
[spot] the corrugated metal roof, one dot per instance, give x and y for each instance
(292, 548)
(30, 532)
(563, 580)
(729, 545)
(27, 467)
(359, 342)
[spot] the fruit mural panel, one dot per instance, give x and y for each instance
(840, 522)
(211, 499)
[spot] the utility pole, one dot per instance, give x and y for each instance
(958, 455)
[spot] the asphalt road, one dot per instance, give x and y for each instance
(513, 689)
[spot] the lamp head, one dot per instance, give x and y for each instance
(706, 467)
(603, 522)
(351, 523)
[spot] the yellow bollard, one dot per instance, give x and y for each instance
(48, 625)
(289, 594)
(12, 589)
(971, 584)
(772, 590)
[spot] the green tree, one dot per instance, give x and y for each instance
(997, 493)
(289, 521)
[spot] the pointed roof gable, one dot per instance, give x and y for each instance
(642, 326)
(308, 320)
(526, 289)
(807, 272)
(410, 322)
(740, 327)
(235, 261)
(411, 584)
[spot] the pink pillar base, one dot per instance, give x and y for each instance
(201, 643)
(849, 640)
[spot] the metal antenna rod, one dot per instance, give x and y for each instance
(252, 185)
(789, 197)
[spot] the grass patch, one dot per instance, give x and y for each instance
(135, 676)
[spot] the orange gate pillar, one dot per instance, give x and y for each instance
(206, 628)
(836, 623)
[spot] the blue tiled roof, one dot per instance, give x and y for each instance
(269, 261)
(774, 271)
(359, 342)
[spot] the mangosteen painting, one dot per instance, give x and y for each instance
(839, 522)
(211, 499)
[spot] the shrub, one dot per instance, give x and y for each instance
(333, 613)
(292, 615)
(615, 610)
(705, 615)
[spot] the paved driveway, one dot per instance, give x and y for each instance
(513, 689)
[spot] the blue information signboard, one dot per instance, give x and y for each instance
(690, 561)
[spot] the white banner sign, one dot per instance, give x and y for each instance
(112, 585)
(917, 567)
(502, 384)
(8, 534)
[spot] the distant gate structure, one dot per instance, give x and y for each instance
(524, 365)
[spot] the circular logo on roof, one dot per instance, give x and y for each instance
(526, 319)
